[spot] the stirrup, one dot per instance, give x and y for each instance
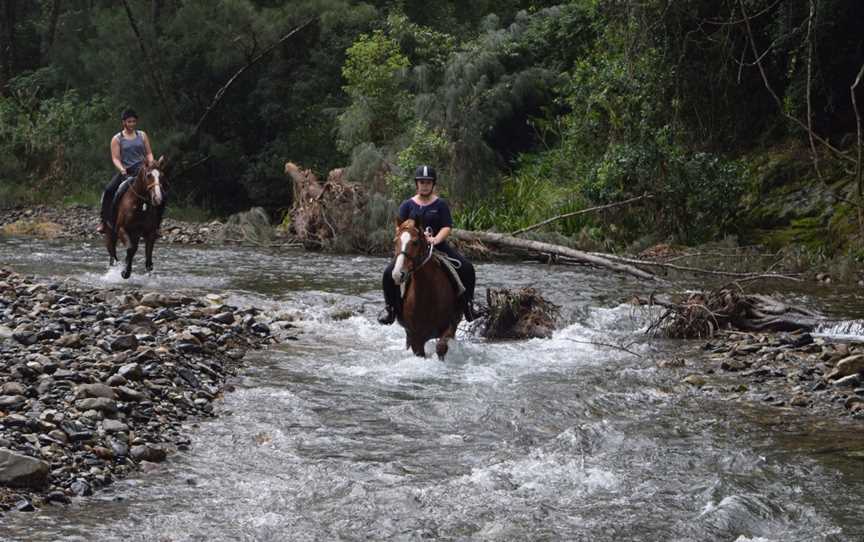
(470, 313)
(387, 316)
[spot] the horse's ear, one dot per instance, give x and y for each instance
(419, 222)
(397, 222)
(160, 162)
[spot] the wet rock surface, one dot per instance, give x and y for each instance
(95, 383)
(80, 222)
(798, 372)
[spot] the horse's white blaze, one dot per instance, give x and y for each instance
(157, 188)
(405, 238)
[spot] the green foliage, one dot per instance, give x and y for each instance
(427, 146)
(45, 142)
(372, 72)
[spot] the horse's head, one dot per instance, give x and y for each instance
(153, 178)
(410, 248)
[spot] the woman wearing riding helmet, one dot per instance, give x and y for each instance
(130, 149)
(435, 216)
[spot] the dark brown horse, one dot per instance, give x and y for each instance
(138, 215)
(429, 308)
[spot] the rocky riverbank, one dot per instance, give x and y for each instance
(94, 384)
(796, 372)
(79, 222)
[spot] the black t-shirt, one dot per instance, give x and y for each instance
(436, 215)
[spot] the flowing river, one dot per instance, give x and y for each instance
(344, 435)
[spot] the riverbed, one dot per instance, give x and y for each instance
(343, 434)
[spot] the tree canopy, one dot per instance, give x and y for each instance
(527, 108)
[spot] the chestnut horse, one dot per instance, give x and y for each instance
(138, 215)
(429, 305)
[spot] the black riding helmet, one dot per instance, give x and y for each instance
(128, 113)
(423, 173)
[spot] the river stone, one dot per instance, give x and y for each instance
(124, 342)
(11, 401)
(116, 380)
(59, 436)
(81, 488)
(18, 470)
(147, 452)
(95, 390)
(114, 426)
(695, 380)
(5, 333)
(131, 371)
(733, 365)
(224, 318)
(24, 335)
(97, 403)
(800, 400)
(850, 381)
(13, 388)
(72, 340)
(129, 395)
(848, 366)
(57, 496)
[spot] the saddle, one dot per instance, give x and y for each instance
(124, 186)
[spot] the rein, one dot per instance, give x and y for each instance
(147, 187)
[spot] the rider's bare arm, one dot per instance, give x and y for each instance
(115, 155)
(441, 236)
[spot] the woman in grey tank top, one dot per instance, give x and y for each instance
(130, 148)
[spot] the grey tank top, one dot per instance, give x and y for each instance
(132, 151)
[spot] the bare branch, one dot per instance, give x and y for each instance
(809, 85)
(583, 211)
(154, 74)
(221, 92)
(697, 270)
(607, 345)
(859, 166)
(777, 99)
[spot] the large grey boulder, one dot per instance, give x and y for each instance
(18, 470)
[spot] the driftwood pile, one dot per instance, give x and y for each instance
(703, 314)
(518, 314)
(324, 212)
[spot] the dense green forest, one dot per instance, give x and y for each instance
(739, 117)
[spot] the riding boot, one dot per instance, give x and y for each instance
(387, 316)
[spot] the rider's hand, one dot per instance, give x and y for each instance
(430, 239)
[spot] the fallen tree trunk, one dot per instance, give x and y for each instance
(547, 248)
(702, 314)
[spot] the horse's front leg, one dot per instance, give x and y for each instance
(149, 241)
(111, 246)
(441, 346)
(130, 253)
(416, 344)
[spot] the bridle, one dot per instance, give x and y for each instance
(148, 186)
(424, 255)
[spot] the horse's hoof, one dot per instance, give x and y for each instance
(125, 274)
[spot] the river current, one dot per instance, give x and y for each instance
(344, 435)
